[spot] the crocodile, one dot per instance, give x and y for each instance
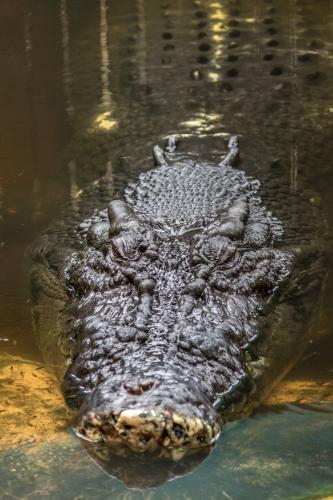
(177, 307)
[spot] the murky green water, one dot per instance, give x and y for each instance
(268, 456)
(87, 87)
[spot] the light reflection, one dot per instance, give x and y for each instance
(105, 70)
(216, 16)
(74, 192)
(216, 27)
(203, 122)
(142, 43)
(213, 77)
(217, 38)
(67, 72)
(105, 121)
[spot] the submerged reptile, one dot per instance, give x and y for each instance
(177, 307)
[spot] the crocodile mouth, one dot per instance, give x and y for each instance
(145, 430)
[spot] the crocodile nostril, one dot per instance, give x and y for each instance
(136, 389)
(146, 386)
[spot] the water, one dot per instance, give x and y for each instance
(87, 88)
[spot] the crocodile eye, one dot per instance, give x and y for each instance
(118, 247)
(228, 258)
(128, 245)
(218, 250)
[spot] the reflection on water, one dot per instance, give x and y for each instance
(273, 455)
(143, 471)
(67, 73)
(88, 88)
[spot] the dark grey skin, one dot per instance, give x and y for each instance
(178, 307)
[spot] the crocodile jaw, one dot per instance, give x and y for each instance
(143, 430)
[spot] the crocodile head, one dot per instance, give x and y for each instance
(167, 288)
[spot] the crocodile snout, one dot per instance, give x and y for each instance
(145, 413)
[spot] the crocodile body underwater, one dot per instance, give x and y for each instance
(175, 309)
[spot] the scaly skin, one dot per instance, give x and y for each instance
(177, 307)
